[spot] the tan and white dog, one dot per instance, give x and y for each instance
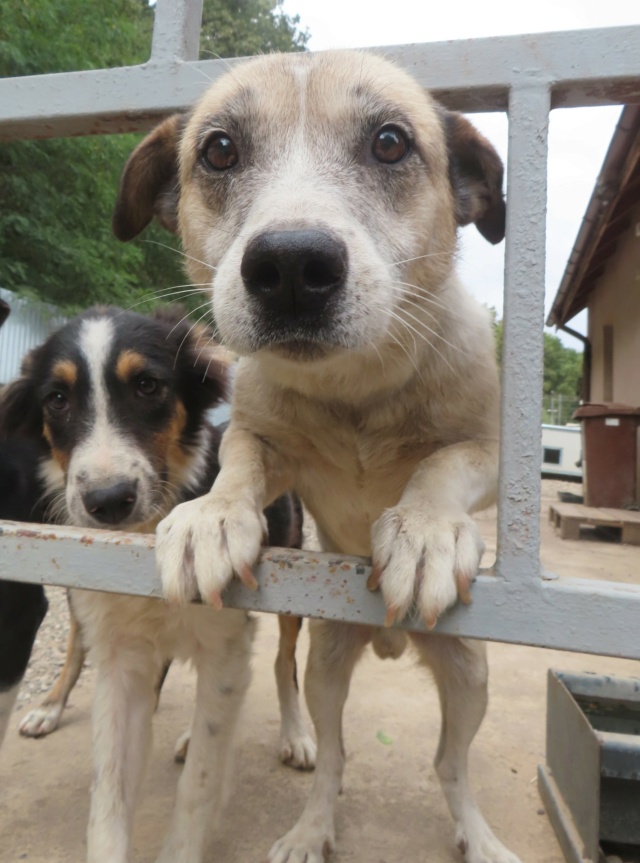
(320, 196)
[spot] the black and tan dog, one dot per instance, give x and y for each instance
(116, 403)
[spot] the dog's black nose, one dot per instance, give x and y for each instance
(294, 272)
(113, 504)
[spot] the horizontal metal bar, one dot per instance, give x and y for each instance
(581, 67)
(567, 614)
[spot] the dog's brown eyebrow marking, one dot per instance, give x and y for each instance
(66, 371)
(129, 362)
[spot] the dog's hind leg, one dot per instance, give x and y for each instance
(223, 666)
(123, 708)
(297, 747)
(335, 649)
(46, 718)
(461, 674)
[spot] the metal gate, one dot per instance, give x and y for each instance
(524, 75)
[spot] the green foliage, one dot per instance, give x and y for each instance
(240, 28)
(562, 370)
(57, 195)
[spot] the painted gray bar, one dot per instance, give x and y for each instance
(566, 614)
(522, 348)
(581, 67)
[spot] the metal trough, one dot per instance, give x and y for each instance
(590, 784)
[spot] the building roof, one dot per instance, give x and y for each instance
(608, 216)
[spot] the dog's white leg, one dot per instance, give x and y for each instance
(223, 677)
(7, 701)
(461, 673)
(46, 718)
(123, 708)
(335, 649)
(297, 747)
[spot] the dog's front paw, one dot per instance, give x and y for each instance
(426, 556)
(201, 544)
(479, 845)
(41, 721)
(304, 844)
(298, 749)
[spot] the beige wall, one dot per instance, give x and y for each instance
(616, 302)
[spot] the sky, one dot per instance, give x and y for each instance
(578, 137)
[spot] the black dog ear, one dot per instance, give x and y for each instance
(476, 173)
(20, 409)
(210, 366)
(149, 184)
(5, 311)
(204, 363)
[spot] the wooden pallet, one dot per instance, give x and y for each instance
(569, 517)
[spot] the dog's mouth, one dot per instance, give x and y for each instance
(296, 339)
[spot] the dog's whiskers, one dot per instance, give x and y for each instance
(421, 335)
(157, 295)
(191, 328)
(184, 254)
(419, 258)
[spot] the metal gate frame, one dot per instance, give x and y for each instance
(525, 75)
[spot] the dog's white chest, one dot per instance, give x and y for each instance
(346, 489)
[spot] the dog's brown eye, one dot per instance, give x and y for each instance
(390, 145)
(146, 386)
(57, 401)
(220, 152)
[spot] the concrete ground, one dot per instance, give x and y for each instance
(391, 810)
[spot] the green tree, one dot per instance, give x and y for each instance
(240, 28)
(57, 195)
(562, 372)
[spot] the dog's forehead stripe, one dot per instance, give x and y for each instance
(96, 340)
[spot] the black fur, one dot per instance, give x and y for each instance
(22, 606)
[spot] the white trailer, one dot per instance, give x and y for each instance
(562, 452)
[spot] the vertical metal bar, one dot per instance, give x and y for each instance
(176, 31)
(519, 487)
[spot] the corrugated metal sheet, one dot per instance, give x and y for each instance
(27, 326)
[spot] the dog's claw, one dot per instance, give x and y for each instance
(373, 582)
(390, 616)
(248, 578)
(215, 600)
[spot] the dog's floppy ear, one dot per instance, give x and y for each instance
(20, 409)
(476, 174)
(149, 183)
